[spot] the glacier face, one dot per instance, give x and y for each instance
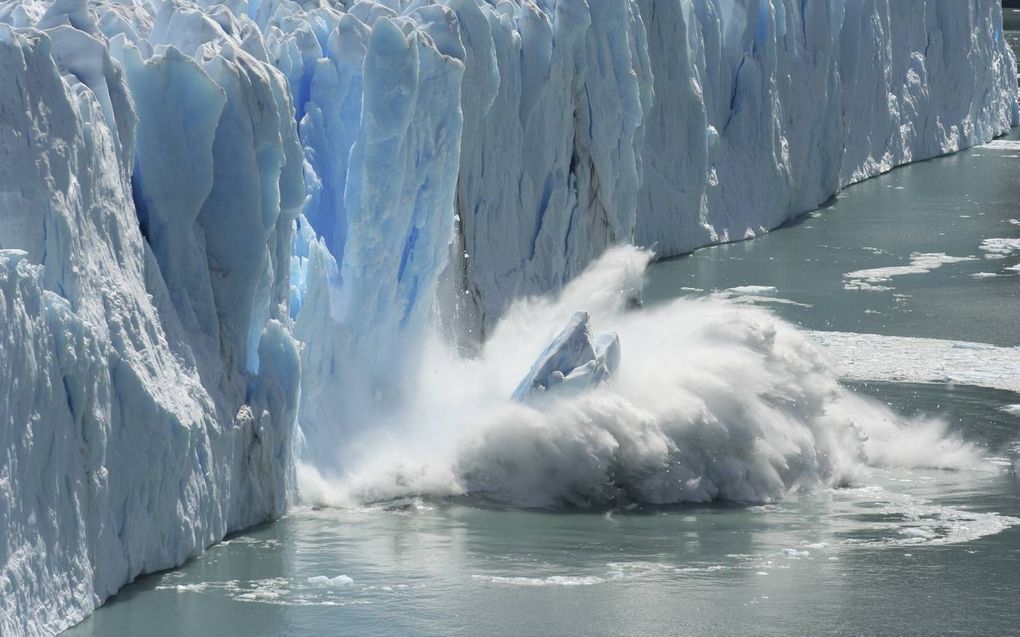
(190, 189)
(140, 274)
(830, 93)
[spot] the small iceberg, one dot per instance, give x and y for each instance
(331, 582)
(574, 359)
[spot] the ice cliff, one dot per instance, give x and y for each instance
(149, 382)
(190, 190)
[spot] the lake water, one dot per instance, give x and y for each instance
(903, 552)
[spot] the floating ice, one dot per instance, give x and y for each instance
(920, 263)
(922, 360)
(331, 582)
(552, 580)
(1002, 144)
(752, 289)
(901, 519)
(999, 248)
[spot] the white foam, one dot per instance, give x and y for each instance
(264, 590)
(1012, 409)
(553, 580)
(1002, 144)
(754, 299)
(898, 519)
(642, 569)
(199, 587)
(317, 590)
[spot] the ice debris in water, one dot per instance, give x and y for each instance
(331, 582)
(573, 360)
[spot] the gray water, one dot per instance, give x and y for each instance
(902, 553)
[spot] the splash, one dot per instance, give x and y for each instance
(713, 400)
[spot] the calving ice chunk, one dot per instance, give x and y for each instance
(220, 222)
(573, 360)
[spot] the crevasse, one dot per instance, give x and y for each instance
(222, 220)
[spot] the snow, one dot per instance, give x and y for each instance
(221, 220)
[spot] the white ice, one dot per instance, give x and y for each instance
(873, 279)
(922, 360)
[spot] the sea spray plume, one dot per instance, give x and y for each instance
(712, 401)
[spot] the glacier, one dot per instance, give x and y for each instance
(226, 228)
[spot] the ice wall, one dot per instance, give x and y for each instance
(764, 110)
(376, 95)
(149, 382)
